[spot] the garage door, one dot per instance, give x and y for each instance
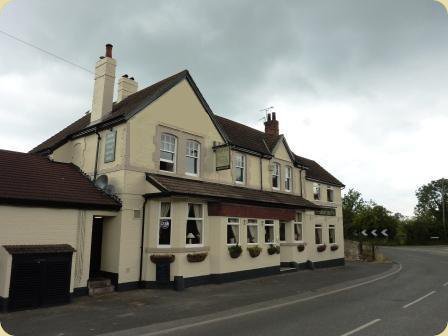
(39, 279)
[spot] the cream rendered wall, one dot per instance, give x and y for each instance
(5, 271)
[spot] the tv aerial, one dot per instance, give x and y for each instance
(266, 111)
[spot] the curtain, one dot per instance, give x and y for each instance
(252, 233)
(298, 231)
(194, 226)
(165, 209)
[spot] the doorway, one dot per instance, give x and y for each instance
(96, 247)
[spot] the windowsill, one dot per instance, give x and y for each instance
(276, 189)
(193, 245)
(251, 244)
(288, 191)
(192, 175)
(239, 182)
(177, 249)
(167, 171)
(235, 244)
(164, 246)
(269, 243)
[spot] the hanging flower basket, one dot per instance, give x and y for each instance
(162, 258)
(273, 249)
(301, 247)
(254, 251)
(235, 251)
(321, 247)
(334, 247)
(196, 257)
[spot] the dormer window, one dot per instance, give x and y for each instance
(192, 157)
(275, 176)
(240, 167)
(168, 144)
(288, 178)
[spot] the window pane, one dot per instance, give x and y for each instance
(252, 233)
(166, 166)
(330, 195)
(332, 235)
(282, 231)
(298, 232)
(269, 233)
(239, 174)
(165, 232)
(239, 167)
(167, 156)
(192, 165)
(316, 191)
(299, 217)
(194, 231)
(232, 234)
(318, 232)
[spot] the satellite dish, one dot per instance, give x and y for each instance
(101, 181)
(110, 189)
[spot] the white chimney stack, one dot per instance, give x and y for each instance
(103, 91)
(126, 87)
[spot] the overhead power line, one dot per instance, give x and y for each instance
(45, 51)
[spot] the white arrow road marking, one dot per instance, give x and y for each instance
(384, 233)
(418, 300)
(354, 331)
(364, 233)
(374, 233)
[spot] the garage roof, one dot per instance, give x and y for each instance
(33, 180)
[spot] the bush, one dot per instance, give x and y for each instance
(301, 247)
(273, 249)
(196, 257)
(334, 247)
(162, 258)
(254, 251)
(235, 251)
(321, 247)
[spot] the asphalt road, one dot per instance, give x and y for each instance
(409, 299)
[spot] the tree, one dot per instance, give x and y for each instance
(352, 204)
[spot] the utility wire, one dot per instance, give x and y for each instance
(45, 51)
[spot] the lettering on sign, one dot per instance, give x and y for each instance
(325, 212)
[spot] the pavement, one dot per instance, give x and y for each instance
(407, 297)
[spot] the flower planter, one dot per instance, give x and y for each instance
(254, 251)
(334, 247)
(235, 251)
(162, 258)
(196, 257)
(301, 247)
(321, 247)
(273, 249)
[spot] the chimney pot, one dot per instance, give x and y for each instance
(132, 78)
(273, 116)
(109, 50)
(271, 128)
(125, 76)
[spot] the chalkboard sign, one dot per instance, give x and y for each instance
(163, 273)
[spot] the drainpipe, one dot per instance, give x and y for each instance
(142, 240)
(95, 172)
(261, 173)
(300, 181)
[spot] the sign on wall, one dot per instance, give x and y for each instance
(222, 158)
(325, 212)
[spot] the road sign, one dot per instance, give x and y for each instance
(374, 233)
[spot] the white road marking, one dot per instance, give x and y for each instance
(247, 312)
(418, 300)
(364, 326)
(445, 284)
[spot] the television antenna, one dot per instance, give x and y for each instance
(266, 111)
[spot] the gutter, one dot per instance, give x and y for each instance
(142, 240)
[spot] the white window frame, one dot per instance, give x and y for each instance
(203, 225)
(188, 155)
(317, 186)
(236, 223)
(163, 150)
(288, 178)
(332, 228)
(242, 166)
(273, 230)
(276, 172)
(298, 222)
(279, 231)
(332, 194)
(316, 227)
(252, 222)
(171, 225)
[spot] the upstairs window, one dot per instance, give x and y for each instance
(252, 231)
(168, 145)
(332, 234)
(192, 157)
(165, 224)
(288, 178)
(316, 191)
(330, 194)
(269, 237)
(318, 234)
(275, 175)
(240, 168)
(233, 231)
(109, 146)
(194, 225)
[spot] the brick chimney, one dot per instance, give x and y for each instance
(271, 126)
(103, 91)
(126, 87)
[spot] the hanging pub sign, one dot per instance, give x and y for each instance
(222, 155)
(325, 212)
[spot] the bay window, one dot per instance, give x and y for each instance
(252, 231)
(194, 232)
(275, 175)
(240, 168)
(288, 178)
(192, 157)
(332, 234)
(233, 231)
(165, 224)
(269, 233)
(318, 234)
(298, 227)
(168, 143)
(282, 231)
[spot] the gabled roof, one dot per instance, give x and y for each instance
(29, 179)
(233, 133)
(171, 185)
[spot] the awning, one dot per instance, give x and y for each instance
(176, 186)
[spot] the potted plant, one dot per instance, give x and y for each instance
(196, 257)
(254, 251)
(334, 247)
(321, 247)
(301, 247)
(162, 258)
(235, 251)
(273, 249)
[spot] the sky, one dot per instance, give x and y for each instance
(358, 85)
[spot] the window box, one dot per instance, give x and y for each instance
(301, 247)
(235, 251)
(273, 249)
(321, 247)
(196, 257)
(254, 251)
(162, 258)
(334, 247)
